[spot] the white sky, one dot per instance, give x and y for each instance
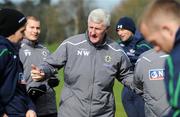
(106, 4)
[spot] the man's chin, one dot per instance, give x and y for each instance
(33, 39)
(93, 40)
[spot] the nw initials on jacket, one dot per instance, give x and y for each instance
(83, 52)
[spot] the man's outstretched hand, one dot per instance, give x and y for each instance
(36, 73)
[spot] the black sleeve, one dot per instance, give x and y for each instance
(4, 57)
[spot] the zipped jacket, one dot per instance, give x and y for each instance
(134, 47)
(149, 82)
(89, 74)
(34, 53)
(14, 100)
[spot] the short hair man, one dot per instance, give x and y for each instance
(14, 101)
(91, 63)
(160, 24)
(149, 82)
(32, 52)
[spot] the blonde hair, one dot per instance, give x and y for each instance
(32, 18)
(161, 10)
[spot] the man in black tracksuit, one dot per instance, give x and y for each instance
(14, 101)
(133, 47)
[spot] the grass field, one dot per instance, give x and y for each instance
(117, 90)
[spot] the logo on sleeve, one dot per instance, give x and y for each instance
(156, 74)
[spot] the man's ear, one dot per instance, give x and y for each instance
(167, 29)
(168, 32)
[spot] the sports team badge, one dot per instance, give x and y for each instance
(156, 74)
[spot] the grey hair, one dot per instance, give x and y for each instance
(99, 16)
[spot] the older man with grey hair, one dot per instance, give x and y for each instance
(91, 63)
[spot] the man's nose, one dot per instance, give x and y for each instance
(120, 33)
(35, 30)
(93, 31)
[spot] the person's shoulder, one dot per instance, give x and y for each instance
(145, 57)
(112, 43)
(3, 42)
(147, 53)
(114, 46)
(141, 43)
(41, 46)
(4, 45)
(23, 43)
(76, 39)
(152, 55)
(4, 50)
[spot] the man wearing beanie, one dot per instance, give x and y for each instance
(14, 101)
(133, 46)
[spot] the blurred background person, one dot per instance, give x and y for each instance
(160, 24)
(149, 82)
(133, 47)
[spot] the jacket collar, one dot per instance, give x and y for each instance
(128, 41)
(29, 42)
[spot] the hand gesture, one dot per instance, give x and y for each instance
(36, 73)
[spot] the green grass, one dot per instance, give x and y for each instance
(117, 89)
(117, 93)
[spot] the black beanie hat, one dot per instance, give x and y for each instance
(10, 21)
(126, 23)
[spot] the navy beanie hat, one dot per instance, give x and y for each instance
(10, 21)
(126, 23)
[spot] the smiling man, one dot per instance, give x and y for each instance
(32, 52)
(133, 47)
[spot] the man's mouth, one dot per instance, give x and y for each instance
(94, 36)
